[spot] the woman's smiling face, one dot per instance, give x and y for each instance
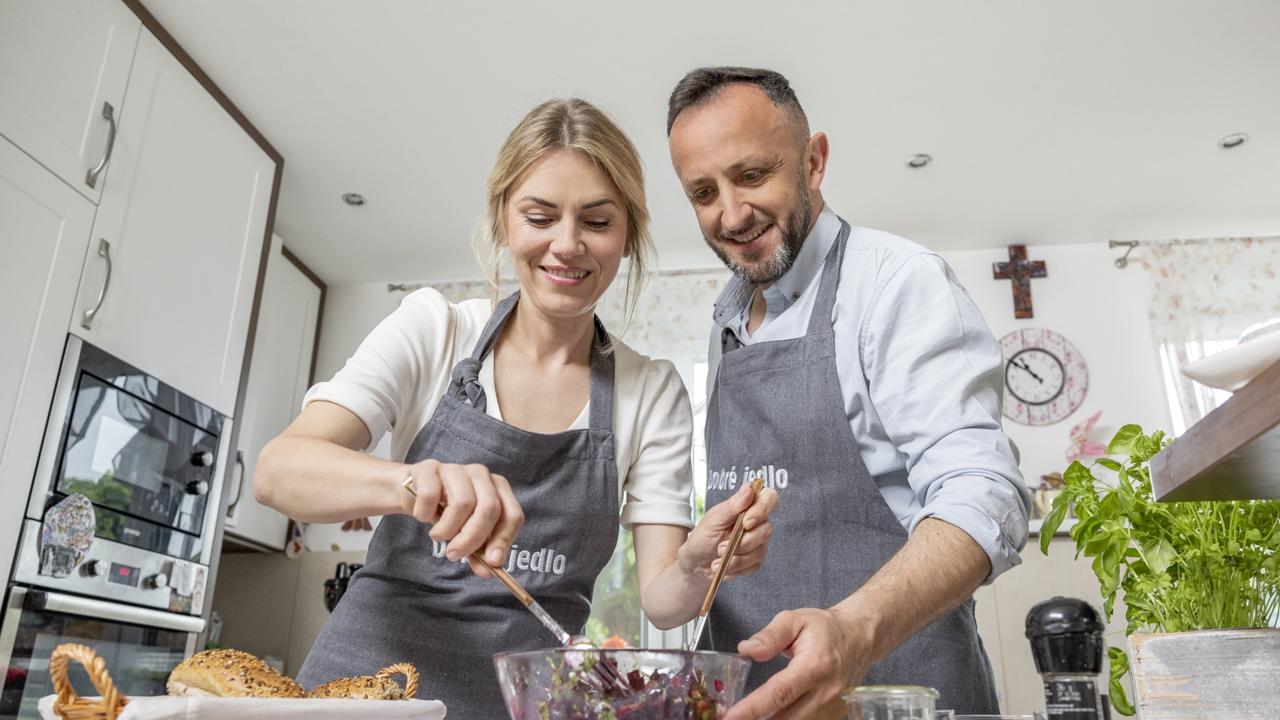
(566, 228)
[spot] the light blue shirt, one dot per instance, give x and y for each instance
(921, 376)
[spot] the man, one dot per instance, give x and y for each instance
(856, 375)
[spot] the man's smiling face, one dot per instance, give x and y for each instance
(744, 165)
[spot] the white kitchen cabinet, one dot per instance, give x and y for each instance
(184, 211)
(278, 377)
(44, 227)
(61, 64)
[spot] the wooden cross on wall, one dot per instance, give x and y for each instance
(1020, 271)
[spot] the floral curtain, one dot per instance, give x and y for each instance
(1204, 294)
(672, 317)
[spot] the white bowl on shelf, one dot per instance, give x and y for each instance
(1234, 367)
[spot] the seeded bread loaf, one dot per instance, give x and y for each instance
(372, 687)
(230, 673)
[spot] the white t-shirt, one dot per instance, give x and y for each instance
(402, 369)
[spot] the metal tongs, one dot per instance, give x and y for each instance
(756, 486)
(608, 674)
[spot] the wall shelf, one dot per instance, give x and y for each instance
(1233, 453)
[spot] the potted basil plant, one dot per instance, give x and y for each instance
(1201, 584)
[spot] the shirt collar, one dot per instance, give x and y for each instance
(736, 297)
(808, 262)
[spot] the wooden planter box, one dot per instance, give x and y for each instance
(1207, 675)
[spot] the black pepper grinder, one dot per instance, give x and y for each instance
(336, 586)
(1066, 642)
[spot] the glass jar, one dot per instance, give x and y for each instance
(891, 702)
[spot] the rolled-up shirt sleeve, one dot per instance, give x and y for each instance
(659, 483)
(935, 376)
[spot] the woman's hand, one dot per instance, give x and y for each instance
(468, 507)
(702, 552)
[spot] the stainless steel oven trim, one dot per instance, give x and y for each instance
(9, 624)
(53, 429)
(213, 505)
(112, 612)
(144, 592)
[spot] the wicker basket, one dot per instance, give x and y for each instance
(71, 706)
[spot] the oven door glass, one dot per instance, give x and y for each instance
(135, 458)
(138, 658)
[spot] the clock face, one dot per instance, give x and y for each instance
(1045, 377)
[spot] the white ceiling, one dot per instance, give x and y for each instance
(1049, 122)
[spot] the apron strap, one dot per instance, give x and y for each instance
(464, 383)
(602, 365)
(489, 336)
(823, 304)
(826, 300)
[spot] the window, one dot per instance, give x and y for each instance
(615, 606)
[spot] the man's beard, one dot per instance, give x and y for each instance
(769, 269)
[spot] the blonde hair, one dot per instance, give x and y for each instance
(570, 124)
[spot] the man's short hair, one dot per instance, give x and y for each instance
(704, 84)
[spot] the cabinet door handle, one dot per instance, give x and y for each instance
(239, 482)
(109, 113)
(104, 249)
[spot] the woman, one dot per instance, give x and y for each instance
(521, 427)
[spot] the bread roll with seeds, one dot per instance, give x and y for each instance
(372, 687)
(230, 673)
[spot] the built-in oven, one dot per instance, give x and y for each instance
(116, 543)
(139, 645)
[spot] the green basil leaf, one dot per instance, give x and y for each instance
(1119, 666)
(1052, 522)
(1077, 475)
(1122, 443)
(1159, 556)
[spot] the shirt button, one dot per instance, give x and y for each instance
(795, 296)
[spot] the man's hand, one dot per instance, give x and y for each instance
(829, 652)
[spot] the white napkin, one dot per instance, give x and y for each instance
(216, 708)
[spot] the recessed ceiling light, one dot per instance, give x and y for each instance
(353, 199)
(916, 162)
(1234, 140)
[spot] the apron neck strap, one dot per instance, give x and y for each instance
(822, 305)
(466, 375)
(489, 336)
(602, 366)
(830, 282)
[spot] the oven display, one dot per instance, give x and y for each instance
(124, 575)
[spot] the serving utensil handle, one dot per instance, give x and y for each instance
(756, 486)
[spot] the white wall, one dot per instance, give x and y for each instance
(1100, 309)
(350, 312)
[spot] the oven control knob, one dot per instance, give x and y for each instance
(95, 568)
(158, 580)
(202, 458)
(197, 487)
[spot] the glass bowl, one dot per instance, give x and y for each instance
(566, 684)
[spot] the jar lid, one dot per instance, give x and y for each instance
(1062, 616)
(863, 692)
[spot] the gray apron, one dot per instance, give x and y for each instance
(410, 603)
(776, 411)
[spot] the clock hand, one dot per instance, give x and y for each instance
(1023, 366)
